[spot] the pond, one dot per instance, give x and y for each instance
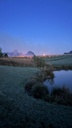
(62, 78)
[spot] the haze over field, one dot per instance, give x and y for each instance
(41, 26)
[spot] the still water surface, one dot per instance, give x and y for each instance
(62, 78)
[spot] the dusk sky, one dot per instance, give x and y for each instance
(41, 26)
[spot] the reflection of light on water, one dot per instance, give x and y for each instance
(62, 78)
(49, 83)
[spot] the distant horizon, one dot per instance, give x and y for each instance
(42, 26)
(33, 52)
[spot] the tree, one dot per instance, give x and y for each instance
(0, 50)
(1, 54)
(5, 55)
(39, 62)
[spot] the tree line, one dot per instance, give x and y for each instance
(3, 54)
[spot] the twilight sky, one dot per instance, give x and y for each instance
(42, 26)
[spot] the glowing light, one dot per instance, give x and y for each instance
(44, 54)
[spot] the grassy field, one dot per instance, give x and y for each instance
(65, 60)
(17, 61)
(18, 109)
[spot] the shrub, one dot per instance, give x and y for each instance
(39, 91)
(46, 98)
(5, 55)
(43, 75)
(49, 73)
(29, 84)
(61, 96)
(40, 76)
(60, 91)
(39, 62)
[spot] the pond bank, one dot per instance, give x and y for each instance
(62, 78)
(47, 91)
(62, 67)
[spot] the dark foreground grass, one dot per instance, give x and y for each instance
(17, 109)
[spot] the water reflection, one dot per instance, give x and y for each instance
(62, 78)
(51, 81)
